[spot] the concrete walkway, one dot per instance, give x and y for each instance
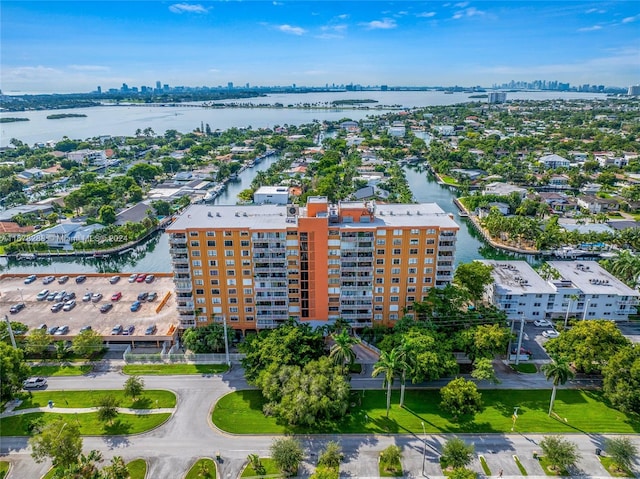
(82, 410)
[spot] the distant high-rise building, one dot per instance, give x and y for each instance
(165, 87)
(99, 90)
(497, 97)
(230, 85)
(124, 88)
(634, 90)
(158, 85)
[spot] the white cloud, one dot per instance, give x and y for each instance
(385, 24)
(292, 30)
(468, 12)
(596, 10)
(590, 29)
(89, 68)
(630, 19)
(426, 14)
(461, 4)
(343, 16)
(278, 4)
(187, 8)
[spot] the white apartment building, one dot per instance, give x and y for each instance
(583, 290)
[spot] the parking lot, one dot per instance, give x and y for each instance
(90, 311)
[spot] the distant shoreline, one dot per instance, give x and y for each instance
(59, 116)
(13, 119)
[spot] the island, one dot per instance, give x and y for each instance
(58, 116)
(12, 119)
(352, 102)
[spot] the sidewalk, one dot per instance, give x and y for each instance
(11, 411)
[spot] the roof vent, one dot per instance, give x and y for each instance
(244, 213)
(209, 214)
(237, 213)
(218, 214)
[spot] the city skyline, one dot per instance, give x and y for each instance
(66, 47)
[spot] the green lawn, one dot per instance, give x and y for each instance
(269, 465)
(611, 468)
(137, 469)
(523, 471)
(61, 370)
(545, 467)
(194, 472)
(393, 470)
(89, 424)
(173, 369)
(526, 368)
(151, 399)
(4, 468)
(240, 412)
(485, 466)
(49, 473)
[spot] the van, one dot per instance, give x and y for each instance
(42, 295)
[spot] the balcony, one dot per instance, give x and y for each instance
(267, 324)
(177, 240)
(451, 247)
(361, 324)
(176, 250)
(184, 287)
(186, 324)
(185, 308)
(181, 269)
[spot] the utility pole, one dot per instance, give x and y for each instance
(520, 339)
(424, 447)
(510, 336)
(13, 339)
(226, 341)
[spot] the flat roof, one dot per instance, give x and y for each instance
(517, 277)
(272, 190)
(592, 278)
(275, 217)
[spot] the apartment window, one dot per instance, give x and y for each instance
(379, 280)
(395, 270)
(228, 233)
(249, 318)
(232, 291)
(245, 252)
(397, 242)
(244, 233)
(199, 291)
(233, 309)
(233, 300)
(413, 260)
(397, 232)
(413, 242)
(394, 299)
(428, 261)
(411, 299)
(412, 280)
(379, 290)
(415, 232)
(246, 262)
(231, 272)
(412, 270)
(244, 243)
(248, 309)
(196, 262)
(212, 252)
(428, 270)
(228, 252)
(214, 282)
(195, 253)
(216, 301)
(213, 262)
(411, 289)
(193, 234)
(431, 241)
(379, 299)
(394, 289)
(211, 243)
(431, 231)
(213, 272)
(381, 232)
(248, 300)
(197, 272)
(395, 280)
(246, 272)
(397, 251)
(231, 282)
(413, 251)
(228, 243)
(380, 251)
(380, 261)
(195, 244)
(211, 234)
(247, 291)
(199, 282)
(381, 242)
(429, 251)
(230, 262)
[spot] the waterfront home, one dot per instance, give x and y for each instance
(61, 236)
(274, 195)
(559, 202)
(504, 189)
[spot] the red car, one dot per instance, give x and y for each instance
(116, 296)
(141, 278)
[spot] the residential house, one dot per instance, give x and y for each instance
(504, 189)
(597, 205)
(554, 161)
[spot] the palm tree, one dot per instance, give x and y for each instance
(389, 363)
(572, 298)
(342, 350)
(560, 371)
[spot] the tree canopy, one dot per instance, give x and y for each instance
(13, 371)
(206, 339)
(621, 379)
(473, 277)
(460, 397)
(59, 440)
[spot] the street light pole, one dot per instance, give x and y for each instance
(520, 340)
(424, 447)
(226, 341)
(13, 339)
(586, 307)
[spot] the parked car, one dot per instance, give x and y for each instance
(85, 328)
(63, 279)
(550, 333)
(59, 295)
(117, 329)
(81, 279)
(87, 296)
(149, 279)
(116, 296)
(30, 279)
(135, 306)
(69, 305)
(42, 326)
(52, 330)
(16, 308)
(522, 351)
(57, 307)
(48, 279)
(106, 307)
(62, 330)
(542, 323)
(95, 297)
(141, 278)
(34, 383)
(150, 330)
(128, 331)
(133, 277)
(42, 295)
(152, 296)
(114, 279)
(142, 296)
(52, 295)
(69, 296)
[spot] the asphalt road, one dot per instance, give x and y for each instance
(172, 448)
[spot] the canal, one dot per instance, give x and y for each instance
(153, 255)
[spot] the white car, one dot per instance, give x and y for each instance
(542, 323)
(550, 333)
(34, 383)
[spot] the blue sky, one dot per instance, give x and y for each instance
(50, 46)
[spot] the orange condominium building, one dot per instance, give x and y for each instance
(258, 266)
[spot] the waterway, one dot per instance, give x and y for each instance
(125, 120)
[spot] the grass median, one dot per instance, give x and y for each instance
(150, 399)
(173, 369)
(61, 370)
(90, 425)
(578, 411)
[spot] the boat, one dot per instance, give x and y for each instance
(26, 256)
